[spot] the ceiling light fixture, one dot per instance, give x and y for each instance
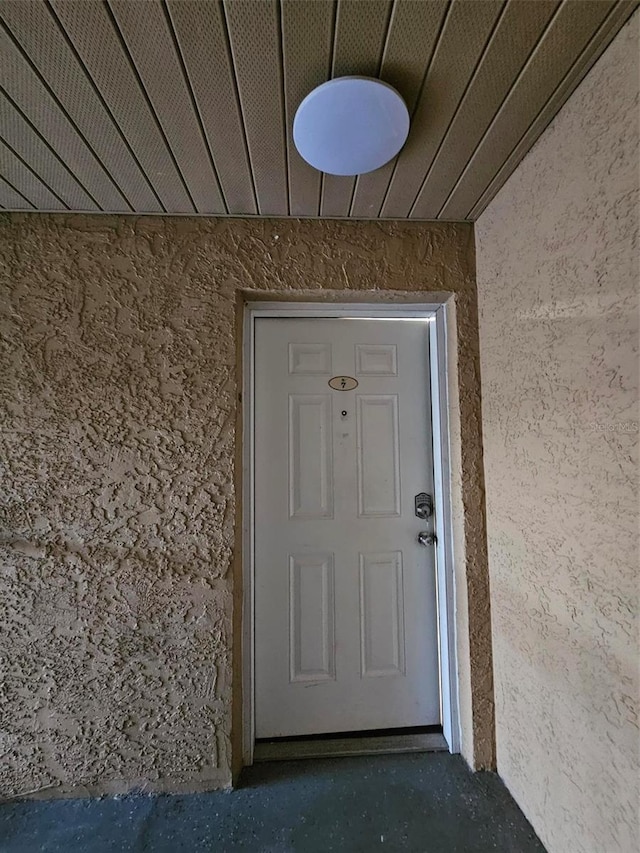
(350, 125)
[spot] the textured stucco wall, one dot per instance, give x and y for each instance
(119, 401)
(558, 285)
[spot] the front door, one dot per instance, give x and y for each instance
(345, 596)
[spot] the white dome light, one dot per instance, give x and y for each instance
(351, 125)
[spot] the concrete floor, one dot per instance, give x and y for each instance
(422, 802)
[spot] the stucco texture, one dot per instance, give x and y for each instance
(557, 266)
(120, 575)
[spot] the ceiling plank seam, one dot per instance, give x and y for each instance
(234, 77)
(514, 84)
(516, 36)
(547, 66)
(33, 175)
(17, 192)
(307, 38)
(28, 121)
(617, 17)
(330, 76)
(436, 43)
(462, 43)
(40, 140)
(192, 99)
(146, 35)
(283, 100)
(385, 42)
(255, 38)
(104, 104)
(148, 101)
(412, 38)
(359, 47)
(63, 110)
(470, 81)
(91, 30)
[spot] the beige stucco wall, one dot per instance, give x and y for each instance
(558, 286)
(120, 580)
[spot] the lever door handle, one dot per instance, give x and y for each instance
(425, 538)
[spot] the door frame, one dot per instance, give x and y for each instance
(435, 311)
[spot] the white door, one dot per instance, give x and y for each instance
(345, 596)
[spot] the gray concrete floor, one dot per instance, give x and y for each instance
(429, 803)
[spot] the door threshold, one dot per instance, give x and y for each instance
(287, 750)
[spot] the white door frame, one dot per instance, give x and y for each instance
(435, 312)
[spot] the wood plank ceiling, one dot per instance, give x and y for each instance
(186, 106)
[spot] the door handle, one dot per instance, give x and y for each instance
(425, 538)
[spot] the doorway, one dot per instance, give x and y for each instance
(348, 625)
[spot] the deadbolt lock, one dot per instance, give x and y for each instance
(424, 505)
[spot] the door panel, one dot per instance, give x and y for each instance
(381, 614)
(345, 601)
(378, 456)
(310, 456)
(310, 359)
(312, 610)
(376, 360)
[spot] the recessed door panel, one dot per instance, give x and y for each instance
(311, 612)
(381, 614)
(309, 359)
(376, 360)
(310, 462)
(378, 456)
